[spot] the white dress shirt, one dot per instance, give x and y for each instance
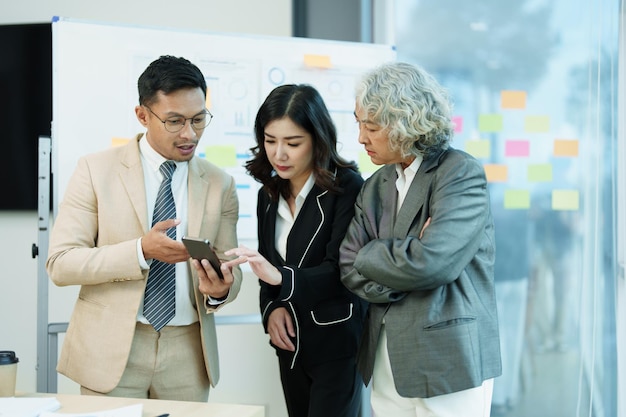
(405, 178)
(285, 220)
(151, 161)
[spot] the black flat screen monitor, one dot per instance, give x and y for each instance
(25, 109)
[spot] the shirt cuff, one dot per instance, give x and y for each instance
(142, 261)
(210, 301)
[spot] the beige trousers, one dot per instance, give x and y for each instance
(166, 365)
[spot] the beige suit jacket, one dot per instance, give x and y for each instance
(93, 244)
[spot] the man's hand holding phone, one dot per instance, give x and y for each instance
(201, 249)
(213, 281)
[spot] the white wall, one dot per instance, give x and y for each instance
(249, 368)
(267, 17)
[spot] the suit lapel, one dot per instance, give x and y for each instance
(198, 187)
(415, 198)
(307, 225)
(131, 176)
(389, 201)
(267, 223)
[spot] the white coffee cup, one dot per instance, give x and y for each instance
(8, 373)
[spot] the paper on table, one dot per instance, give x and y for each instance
(135, 410)
(27, 407)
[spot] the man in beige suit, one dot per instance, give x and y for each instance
(103, 241)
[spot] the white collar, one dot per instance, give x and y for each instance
(306, 188)
(152, 157)
(411, 170)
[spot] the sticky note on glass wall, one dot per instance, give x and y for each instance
(224, 156)
(478, 148)
(208, 103)
(565, 200)
(366, 166)
(537, 124)
(496, 172)
(566, 147)
(517, 148)
(317, 61)
(540, 172)
(457, 121)
(516, 199)
(513, 99)
(119, 142)
(490, 122)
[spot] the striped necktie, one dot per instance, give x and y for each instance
(160, 295)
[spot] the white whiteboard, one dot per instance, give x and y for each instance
(96, 67)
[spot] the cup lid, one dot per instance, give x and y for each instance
(8, 357)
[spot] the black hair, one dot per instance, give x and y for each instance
(304, 105)
(168, 74)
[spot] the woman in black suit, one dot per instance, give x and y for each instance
(303, 211)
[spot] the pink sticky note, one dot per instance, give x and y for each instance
(517, 148)
(458, 124)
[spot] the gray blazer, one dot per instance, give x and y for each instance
(435, 294)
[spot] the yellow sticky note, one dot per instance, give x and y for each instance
(537, 124)
(496, 172)
(490, 122)
(513, 99)
(119, 142)
(208, 103)
(317, 61)
(224, 156)
(540, 172)
(565, 200)
(516, 199)
(478, 148)
(366, 166)
(565, 147)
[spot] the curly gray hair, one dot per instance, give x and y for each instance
(410, 104)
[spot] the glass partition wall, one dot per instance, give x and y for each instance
(535, 87)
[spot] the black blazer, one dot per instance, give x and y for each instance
(328, 318)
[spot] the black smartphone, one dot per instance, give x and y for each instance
(202, 249)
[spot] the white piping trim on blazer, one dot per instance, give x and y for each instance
(319, 206)
(295, 318)
(293, 282)
(332, 322)
(266, 307)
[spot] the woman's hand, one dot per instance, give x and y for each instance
(261, 267)
(280, 329)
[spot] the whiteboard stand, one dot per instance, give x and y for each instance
(41, 250)
(254, 64)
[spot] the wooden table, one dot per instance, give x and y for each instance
(152, 408)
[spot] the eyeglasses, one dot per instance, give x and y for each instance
(176, 124)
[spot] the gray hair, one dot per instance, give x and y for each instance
(410, 104)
